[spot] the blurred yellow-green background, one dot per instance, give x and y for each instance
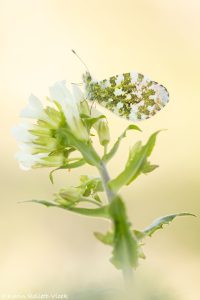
(50, 249)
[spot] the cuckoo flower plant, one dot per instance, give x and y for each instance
(61, 134)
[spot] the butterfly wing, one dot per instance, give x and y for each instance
(129, 95)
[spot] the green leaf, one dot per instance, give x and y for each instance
(147, 167)
(91, 121)
(86, 148)
(43, 202)
(106, 238)
(68, 166)
(158, 223)
(90, 185)
(138, 234)
(125, 247)
(96, 197)
(115, 147)
(136, 162)
(92, 212)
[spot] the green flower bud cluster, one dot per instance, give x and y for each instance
(69, 196)
(87, 191)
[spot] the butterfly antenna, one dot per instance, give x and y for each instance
(79, 83)
(73, 51)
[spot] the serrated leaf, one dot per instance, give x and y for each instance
(92, 212)
(68, 166)
(106, 238)
(158, 223)
(138, 234)
(147, 167)
(125, 247)
(136, 161)
(115, 147)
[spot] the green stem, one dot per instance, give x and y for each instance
(129, 293)
(86, 199)
(105, 149)
(127, 271)
(128, 280)
(106, 178)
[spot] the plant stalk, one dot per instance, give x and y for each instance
(106, 178)
(127, 271)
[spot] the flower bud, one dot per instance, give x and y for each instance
(70, 105)
(68, 196)
(103, 132)
(84, 108)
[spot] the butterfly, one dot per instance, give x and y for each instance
(129, 95)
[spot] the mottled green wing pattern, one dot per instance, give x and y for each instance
(129, 95)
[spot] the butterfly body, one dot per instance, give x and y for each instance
(129, 95)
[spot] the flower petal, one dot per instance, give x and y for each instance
(77, 93)
(27, 160)
(60, 93)
(21, 132)
(34, 110)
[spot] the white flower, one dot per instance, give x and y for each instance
(21, 132)
(80, 100)
(63, 96)
(37, 140)
(43, 143)
(28, 160)
(119, 79)
(70, 106)
(34, 110)
(118, 92)
(77, 94)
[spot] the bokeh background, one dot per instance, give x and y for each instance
(52, 250)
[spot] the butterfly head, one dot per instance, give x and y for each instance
(87, 78)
